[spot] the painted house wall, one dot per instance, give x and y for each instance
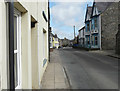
(31, 44)
(95, 32)
(3, 46)
(55, 42)
(82, 37)
(51, 41)
(95, 28)
(87, 34)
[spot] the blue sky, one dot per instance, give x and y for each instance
(64, 15)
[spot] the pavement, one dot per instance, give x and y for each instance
(0, 82)
(55, 76)
(110, 53)
(89, 70)
(0, 77)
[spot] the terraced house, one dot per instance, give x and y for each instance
(82, 37)
(87, 27)
(101, 25)
(24, 29)
(55, 41)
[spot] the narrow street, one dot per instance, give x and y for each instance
(89, 70)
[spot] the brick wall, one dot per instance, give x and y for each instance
(109, 27)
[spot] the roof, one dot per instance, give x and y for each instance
(88, 11)
(55, 36)
(101, 6)
(82, 28)
(89, 8)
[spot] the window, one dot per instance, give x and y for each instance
(92, 26)
(88, 27)
(88, 40)
(92, 38)
(17, 49)
(83, 32)
(96, 40)
(56, 39)
(95, 22)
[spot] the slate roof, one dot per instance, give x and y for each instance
(81, 29)
(102, 6)
(89, 8)
(89, 11)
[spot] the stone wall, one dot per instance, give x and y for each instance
(118, 34)
(109, 27)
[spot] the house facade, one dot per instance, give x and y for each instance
(24, 44)
(101, 25)
(65, 42)
(95, 26)
(51, 40)
(88, 27)
(55, 41)
(82, 37)
(61, 42)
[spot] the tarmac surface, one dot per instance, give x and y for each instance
(89, 70)
(78, 69)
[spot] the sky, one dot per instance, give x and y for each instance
(65, 15)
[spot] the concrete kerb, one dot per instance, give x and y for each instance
(67, 80)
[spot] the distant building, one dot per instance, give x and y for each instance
(66, 42)
(82, 37)
(61, 42)
(51, 42)
(55, 41)
(71, 42)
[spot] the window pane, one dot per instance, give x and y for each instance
(15, 33)
(95, 23)
(15, 70)
(96, 42)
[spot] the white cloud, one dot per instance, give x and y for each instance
(68, 13)
(62, 34)
(65, 16)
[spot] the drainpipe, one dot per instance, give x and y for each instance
(11, 44)
(49, 30)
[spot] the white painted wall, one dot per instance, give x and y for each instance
(33, 9)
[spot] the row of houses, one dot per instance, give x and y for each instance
(101, 26)
(64, 42)
(56, 42)
(24, 48)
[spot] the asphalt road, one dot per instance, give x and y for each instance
(88, 70)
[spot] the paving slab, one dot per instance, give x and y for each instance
(54, 76)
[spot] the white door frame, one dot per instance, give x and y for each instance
(18, 51)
